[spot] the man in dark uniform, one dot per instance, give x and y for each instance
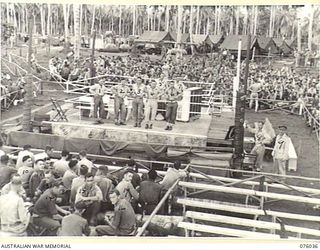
(124, 219)
(150, 193)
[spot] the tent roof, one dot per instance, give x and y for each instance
(291, 42)
(215, 39)
(281, 44)
(155, 37)
(199, 38)
(231, 42)
(185, 37)
(267, 42)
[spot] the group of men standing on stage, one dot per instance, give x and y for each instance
(144, 100)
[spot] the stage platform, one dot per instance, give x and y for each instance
(193, 133)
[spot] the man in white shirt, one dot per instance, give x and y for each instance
(84, 161)
(61, 166)
(151, 104)
(255, 88)
(26, 151)
(138, 92)
(173, 174)
(280, 152)
(98, 90)
(44, 155)
(14, 216)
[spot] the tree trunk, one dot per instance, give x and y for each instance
(245, 22)
(100, 21)
(198, 20)
(93, 18)
(167, 18)
(179, 14)
(34, 24)
(299, 35)
(237, 19)
(310, 28)
(191, 29)
(218, 21)
(256, 13)
(26, 120)
(66, 21)
(76, 12)
(134, 21)
(8, 13)
(231, 25)
(81, 20)
(85, 21)
(43, 33)
(120, 20)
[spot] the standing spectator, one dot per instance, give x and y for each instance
(150, 193)
(151, 104)
(61, 166)
(124, 219)
(26, 151)
(173, 95)
(138, 91)
(45, 212)
(173, 174)
(255, 88)
(88, 197)
(280, 152)
(120, 91)
(14, 217)
(98, 90)
(5, 171)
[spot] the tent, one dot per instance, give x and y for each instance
(282, 46)
(266, 43)
(292, 43)
(216, 40)
(155, 37)
(199, 39)
(185, 37)
(231, 43)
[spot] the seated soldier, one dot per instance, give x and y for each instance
(124, 219)
(45, 211)
(14, 216)
(74, 224)
(88, 197)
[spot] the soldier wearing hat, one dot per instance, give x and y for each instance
(98, 90)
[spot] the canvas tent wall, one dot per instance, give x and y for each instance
(216, 40)
(292, 43)
(185, 37)
(199, 39)
(265, 43)
(155, 37)
(231, 43)
(282, 46)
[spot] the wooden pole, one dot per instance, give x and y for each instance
(92, 68)
(240, 116)
(26, 122)
(154, 212)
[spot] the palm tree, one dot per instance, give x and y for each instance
(76, 11)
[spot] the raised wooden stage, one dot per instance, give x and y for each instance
(196, 133)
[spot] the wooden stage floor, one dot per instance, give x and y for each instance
(206, 130)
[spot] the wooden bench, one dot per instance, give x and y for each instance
(226, 231)
(250, 223)
(242, 191)
(209, 204)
